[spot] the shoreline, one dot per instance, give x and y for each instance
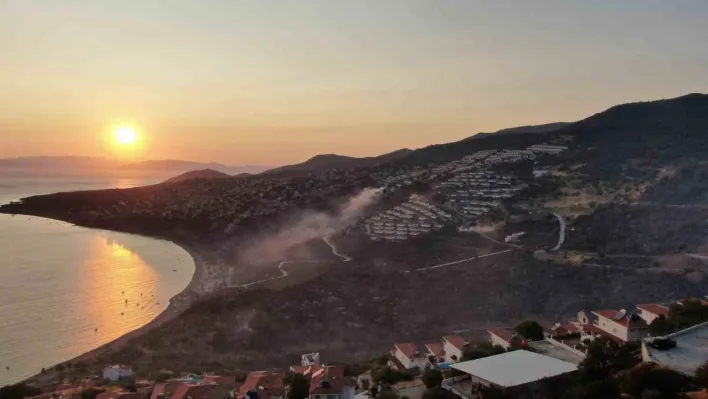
(177, 303)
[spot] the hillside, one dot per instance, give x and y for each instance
(617, 218)
(332, 161)
(198, 174)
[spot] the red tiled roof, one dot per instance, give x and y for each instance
(595, 330)
(333, 375)
(701, 300)
(570, 327)
(164, 389)
(193, 391)
(501, 333)
(270, 381)
(624, 321)
(654, 308)
(436, 349)
(407, 348)
(456, 341)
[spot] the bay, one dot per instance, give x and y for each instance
(65, 290)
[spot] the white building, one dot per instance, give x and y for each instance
(406, 355)
(520, 371)
(652, 311)
(117, 371)
(690, 352)
(500, 337)
(453, 346)
(622, 325)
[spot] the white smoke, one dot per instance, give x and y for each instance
(309, 226)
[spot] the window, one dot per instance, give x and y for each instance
(332, 396)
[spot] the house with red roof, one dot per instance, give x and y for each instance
(436, 350)
(453, 345)
(626, 327)
(652, 311)
(328, 382)
(263, 385)
(554, 330)
(405, 355)
(194, 391)
(163, 390)
(500, 337)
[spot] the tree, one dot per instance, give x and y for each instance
(604, 358)
(432, 378)
(91, 393)
(531, 330)
(162, 377)
(298, 387)
(637, 381)
(702, 375)
(388, 376)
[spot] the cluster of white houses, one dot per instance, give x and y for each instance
(411, 219)
(496, 157)
(466, 188)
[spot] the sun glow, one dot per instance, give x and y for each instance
(125, 135)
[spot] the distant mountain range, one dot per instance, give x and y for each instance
(50, 166)
(198, 174)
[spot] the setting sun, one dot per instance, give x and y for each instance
(125, 135)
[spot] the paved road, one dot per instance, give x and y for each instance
(458, 261)
(561, 234)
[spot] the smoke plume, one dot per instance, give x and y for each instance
(309, 226)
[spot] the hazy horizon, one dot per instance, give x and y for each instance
(260, 82)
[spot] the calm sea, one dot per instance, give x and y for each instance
(63, 289)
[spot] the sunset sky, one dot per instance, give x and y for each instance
(274, 82)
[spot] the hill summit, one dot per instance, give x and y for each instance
(198, 174)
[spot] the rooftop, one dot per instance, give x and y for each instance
(502, 333)
(556, 352)
(690, 352)
(436, 348)
(515, 368)
(654, 308)
(622, 317)
(456, 341)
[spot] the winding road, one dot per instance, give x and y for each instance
(561, 234)
(284, 273)
(328, 241)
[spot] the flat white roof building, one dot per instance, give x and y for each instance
(515, 368)
(691, 350)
